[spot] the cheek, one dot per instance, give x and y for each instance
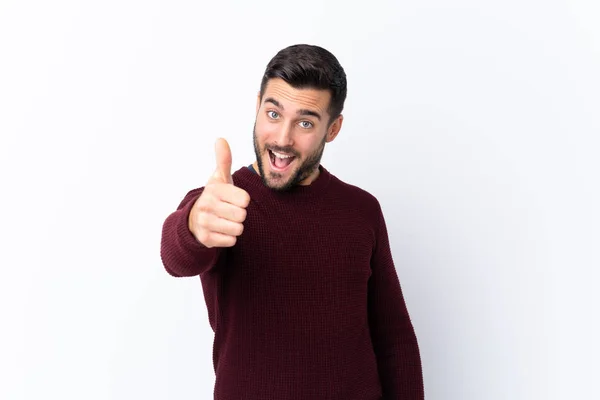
(259, 132)
(312, 143)
(264, 131)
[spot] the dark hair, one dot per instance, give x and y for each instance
(308, 66)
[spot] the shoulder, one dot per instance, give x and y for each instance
(243, 177)
(356, 197)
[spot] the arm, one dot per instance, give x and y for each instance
(181, 253)
(392, 333)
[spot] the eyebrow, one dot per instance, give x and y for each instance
(303, 111)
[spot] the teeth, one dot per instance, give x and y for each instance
(279, 155)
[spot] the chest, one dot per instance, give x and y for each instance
(333, 246)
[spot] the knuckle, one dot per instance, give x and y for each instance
(209, 187)
(213, 189)
(203, 219)
(204, 201)
(232, 240)
(203, 237)
(240, 229)
(202, 206)
(243, 214)
(246, 199)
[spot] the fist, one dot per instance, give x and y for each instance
(216, 219)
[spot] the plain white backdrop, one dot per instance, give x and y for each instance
(475, 123)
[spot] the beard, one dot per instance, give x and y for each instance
(306, 168)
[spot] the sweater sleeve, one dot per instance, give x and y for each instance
(394, 340)
(181, 253)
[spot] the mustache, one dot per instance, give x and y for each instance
(285, 150)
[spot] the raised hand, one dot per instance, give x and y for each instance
(216, 219)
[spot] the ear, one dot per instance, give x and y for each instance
(334, 128)
(257, 102)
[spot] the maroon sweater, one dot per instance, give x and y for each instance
(307, 305)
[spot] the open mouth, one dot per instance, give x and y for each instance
(280, 161)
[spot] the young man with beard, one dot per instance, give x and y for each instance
(295, 265)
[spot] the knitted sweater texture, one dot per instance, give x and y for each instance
(307, 305)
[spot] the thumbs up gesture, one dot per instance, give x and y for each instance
(216, 218)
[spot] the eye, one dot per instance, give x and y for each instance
(273, 114)
(306, 124)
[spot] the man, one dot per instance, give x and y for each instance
(295, 264)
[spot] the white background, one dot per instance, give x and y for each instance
(475, 123)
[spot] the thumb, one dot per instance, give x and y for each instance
(223, 158)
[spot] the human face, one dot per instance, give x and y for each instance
(294, 123)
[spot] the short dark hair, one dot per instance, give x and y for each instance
(309, 66)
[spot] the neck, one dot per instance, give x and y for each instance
(311, 178)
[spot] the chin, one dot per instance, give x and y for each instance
(279, 181)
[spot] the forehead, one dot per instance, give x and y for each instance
(292, 98)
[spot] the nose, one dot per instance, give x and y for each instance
(284, 135)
